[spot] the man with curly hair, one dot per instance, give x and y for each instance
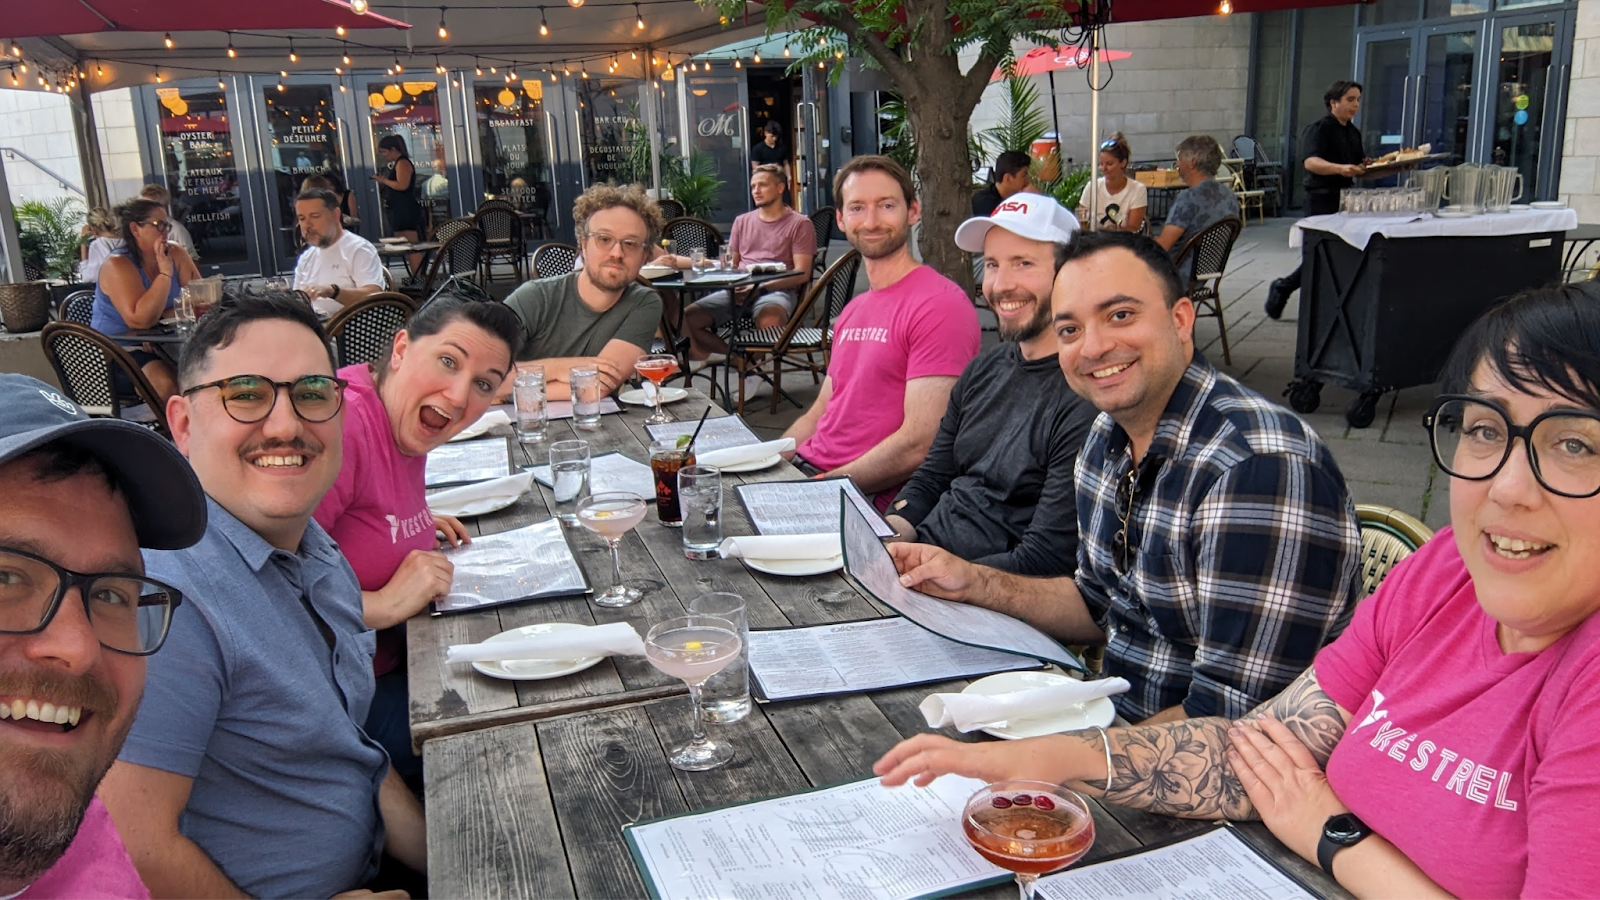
(600, 315)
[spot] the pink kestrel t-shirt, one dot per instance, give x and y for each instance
(920, 326)
(377, 509)
(96, 866)
(1483, 767)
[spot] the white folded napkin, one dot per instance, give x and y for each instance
(758, 267)
(461, 501)
(781, 546)
(748, 453)
(485, 422)
(615, 639)
(969, 712)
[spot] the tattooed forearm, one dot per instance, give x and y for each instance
(1181, 768)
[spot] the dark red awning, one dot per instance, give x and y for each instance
(61, 17)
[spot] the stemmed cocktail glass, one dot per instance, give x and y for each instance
(694, 648)
(1028, 827)
(657, 367)
(612, 514)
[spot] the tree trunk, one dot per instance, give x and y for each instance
(944, 175)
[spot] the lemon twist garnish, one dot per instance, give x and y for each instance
(691, 645)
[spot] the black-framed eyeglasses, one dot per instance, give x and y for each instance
(127, 613)
(162, 226)
(1472, 438)
(251, 398)
(605, 242)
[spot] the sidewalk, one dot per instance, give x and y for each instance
(1386, 463)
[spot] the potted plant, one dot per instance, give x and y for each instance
(692, 182)
(49, 234)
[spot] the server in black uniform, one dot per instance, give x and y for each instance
(1334, 158)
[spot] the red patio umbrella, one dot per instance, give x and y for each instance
(1040, 60)
(62, 17)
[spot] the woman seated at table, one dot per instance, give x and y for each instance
(1119, 201)
(442, 373)
(139, 282)
(1457, 717)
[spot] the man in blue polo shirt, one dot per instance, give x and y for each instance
(246, 771)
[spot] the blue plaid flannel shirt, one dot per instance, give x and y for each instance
(1241, 551)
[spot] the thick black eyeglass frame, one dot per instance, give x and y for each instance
(66, 579)
(222, 383)
(1513, 431)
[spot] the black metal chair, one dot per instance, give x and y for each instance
(796, 343)
(456, 260)
(553, 259)
(1261, 172)
(670, 208)
(364, 331)
(688, 233)
(86, 362)
(822, 221)
(77, 306)
(503, 239)
(1210, 249)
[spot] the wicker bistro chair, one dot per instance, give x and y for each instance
(1210, 250)
(822, 221)
(671, 209)
(798, 343)
(554, 259)
(503, 239)
(85, 362)
(689, 233)
(364, 331)
(452, 227)
(77, 306)
(1387, 536)
(457, 259)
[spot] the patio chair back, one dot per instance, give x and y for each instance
(363, 332)
(670, 208)
(553, 259)
(1210, 249)
(85, 361)
(77, 306)
(822, 221)
(690, 233)
(452, 227)
(502, 235)
(458, 258)
(1246, 148)
(1387, 537)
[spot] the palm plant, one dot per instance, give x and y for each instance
(900, 144)
(1021, 120)
(49, 232)
(692, 182)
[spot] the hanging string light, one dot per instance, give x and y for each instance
(360, 7)
(221, 85)
(638, 18)
(544, 27)
(551, 74)
(444, 32)
(438, 67)
(585, 68)
(159, 77)
(339, 30)
(736, 63)
(99, 72)
(633, 54)
(575, 4)
(232, 53)
(566, 68)
(477, 68)
(167, 39)
(293, 56)
(493, 70)
(345, 58)
(757, 58)
(512, 76)
(785, 51)
(338, 70)
(397, 67)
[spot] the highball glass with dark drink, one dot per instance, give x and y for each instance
(666, 458)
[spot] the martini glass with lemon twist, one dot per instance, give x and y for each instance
(694, 648)
(612, 514)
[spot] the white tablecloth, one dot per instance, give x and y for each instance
(1358, 230)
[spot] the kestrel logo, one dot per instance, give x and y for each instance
(394, 528)
(1016, 206)
(1376, 713)
(60, 402)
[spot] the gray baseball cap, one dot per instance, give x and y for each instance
(168, 505)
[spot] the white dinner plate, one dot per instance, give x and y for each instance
(758, 465)
(392, 240)
(1548, 204)
(534, 669)
(653, 271)
(797, 567)
(636, 396)
(1520, 207)
(481, 506)
(1454, 214)
(1099, 711)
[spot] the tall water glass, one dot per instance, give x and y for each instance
(586, 398)
(527, 391)
(184, 311)
(726, 695)
(569, 477)
(700, 503)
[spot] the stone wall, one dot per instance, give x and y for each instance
(43, 130)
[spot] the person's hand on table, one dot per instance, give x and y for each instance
(1287, 787)
(921, 759)
(422, 576)
(455, 533)
(934, 570)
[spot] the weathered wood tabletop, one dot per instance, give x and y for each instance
(446, 699)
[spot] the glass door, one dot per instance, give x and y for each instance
(413, 110)
(813, 160)
(514, 132)
(1446, 91)
(301, 135)
(719, 140)
(1529, 73)
(612, 122)
(196, 136)
(1386, 120)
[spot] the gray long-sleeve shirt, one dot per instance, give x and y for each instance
(997, 485)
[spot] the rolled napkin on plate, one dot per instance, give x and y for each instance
(970, 712)
(480, 497)
(749, 453)
(485, 422)
(757, 268)
(781, 546)
(614, 639)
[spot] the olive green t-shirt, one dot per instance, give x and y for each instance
(556, 323)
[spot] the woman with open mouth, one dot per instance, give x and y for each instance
(1445, 743)
(443, 372)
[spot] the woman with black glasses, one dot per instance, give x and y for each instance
(1445, 744)
(140, 282)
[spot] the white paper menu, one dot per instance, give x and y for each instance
(468, 461)
(718, 434)
(855, 840)
(806, 507)
(864, 656)
(867, 561)
(520, 564)
(1215, 863)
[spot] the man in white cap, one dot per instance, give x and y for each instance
(996, 487)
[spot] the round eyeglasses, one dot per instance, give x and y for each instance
(127, 613)
(1472, 440)
(251, 398)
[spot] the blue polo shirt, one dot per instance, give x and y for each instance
(248, 699)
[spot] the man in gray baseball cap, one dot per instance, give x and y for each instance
(78, 498)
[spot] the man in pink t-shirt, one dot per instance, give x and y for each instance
(77, 495)
(897, 349)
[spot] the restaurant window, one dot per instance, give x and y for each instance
(410, 109)
(717, 134)
(1435, 9)
(197, 153)
(1274, 57)
(1390, 12)
(305, 142)
(616, 144)
(511, 135)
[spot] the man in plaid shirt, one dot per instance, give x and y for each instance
(1218, 545)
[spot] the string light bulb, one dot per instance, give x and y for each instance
(167, 39)
(24, 67)
(638, 18)
(585, 68)
(345, 58)
(397, 67)
(444, 31)
(99, 72)
(232, 53)
(221, 85)
(544, 27)
(1226, 8)
(737, 64)
(511, 76)
(785, 51)
(552, 75)
(338, 70)
(342, 88)
(360, 7)
(293, 56)
(14, 81)
(339, 30)
(438, 67)
(159, 77)
(566, 69)
(477, 67)
(633, 54)
(757, 58)
(575, 4)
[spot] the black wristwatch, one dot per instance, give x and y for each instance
(335, 294)
(1339, 832)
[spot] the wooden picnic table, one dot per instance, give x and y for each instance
(447, 699)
